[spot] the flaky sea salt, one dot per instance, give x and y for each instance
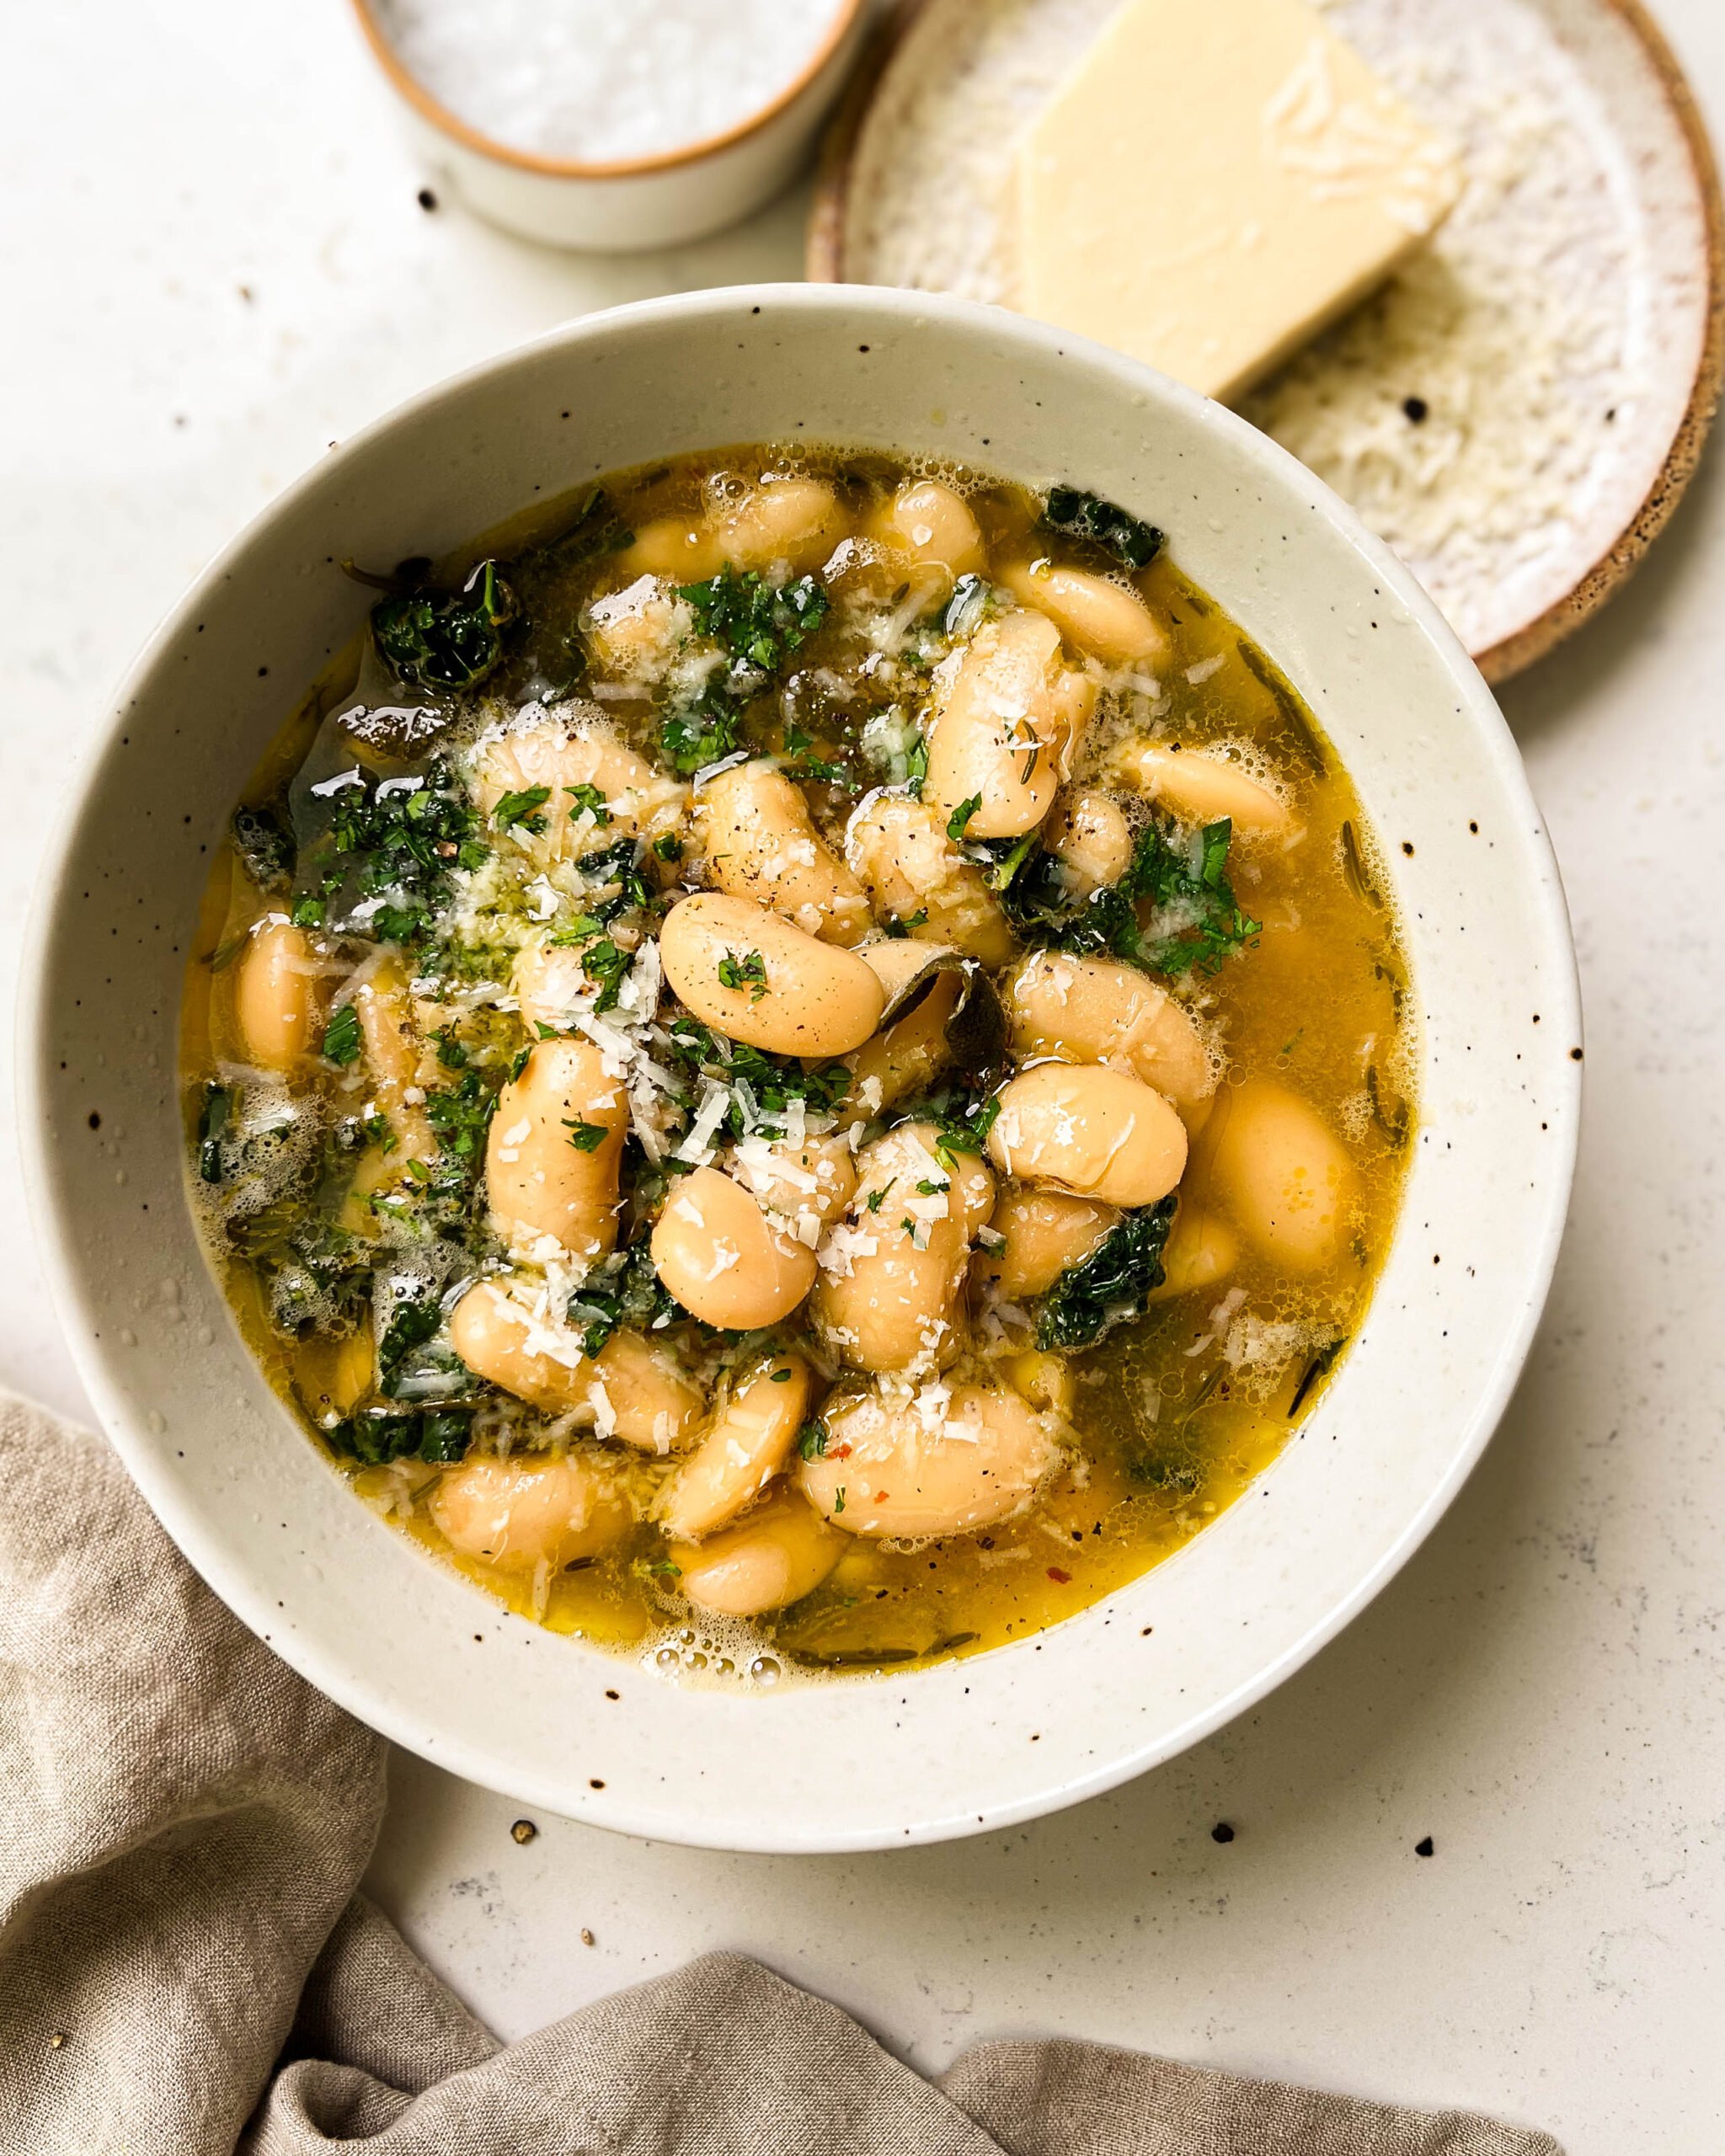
(597, 81)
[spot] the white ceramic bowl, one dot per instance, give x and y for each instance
(849, 1763)
(627, 203)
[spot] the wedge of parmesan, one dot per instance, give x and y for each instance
(1213, 183)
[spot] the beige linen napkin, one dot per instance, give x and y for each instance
(185, 1968)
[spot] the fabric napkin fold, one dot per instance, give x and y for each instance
(187, 1967)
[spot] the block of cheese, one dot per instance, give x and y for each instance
(1214, 182)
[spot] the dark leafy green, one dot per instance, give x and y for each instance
(446, 640)
(773, 1080)
(1047, 914)
(265, 847)
(341, 1035)
(379, 1435)
(1113, 1283)
(213, 1120)
(1134, 544)
(625, 1292)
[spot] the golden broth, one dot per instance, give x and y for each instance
(1175, 1412)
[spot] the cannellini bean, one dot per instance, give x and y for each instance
(791, 995)
(914, 874)
(333, 1376)
(1046, 1381)
(1281, 1175)
(1045, 1232)
(1099, 1011)
(904, 1056)
(1092, 613)
(395, 1056)
(1091, 839)
(1091, 1130)
(721, 1256)
(892, 1271)
(276, 997)
(760, 844)
(931, 523)
(576, 750)
(794, 520)
(781, 1552)
(1203, 789)
(550, 984)
(1004, 728)
(682, 550)
(896, 960)
(901, 1467)
(805, 1185)
(635, 1390)
(542, 1184)
(635, 632)
(1201, 1250)
(527, 1511)
(747, 1445)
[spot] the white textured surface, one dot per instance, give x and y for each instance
(1543, 1691)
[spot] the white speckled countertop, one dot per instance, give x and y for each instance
(214, 265)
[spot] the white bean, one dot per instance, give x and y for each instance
(1099, 1011)
(554, 1151)
(931, 523)
(746, 1445)
(888, 1470)
(782, 1551)
(916, 876)
(760, 844)
(1203, 789)
(1006, 728)
(565, 754)
(1281, 1175)
(519, 1513)
(753, 977)
(723, 1259)
(1090, 1130)
(1092, 612)
(892, 1270)
(276, 998)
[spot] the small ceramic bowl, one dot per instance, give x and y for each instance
(848, 1763)
(636, 202)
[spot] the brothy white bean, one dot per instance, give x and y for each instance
(815, 1075)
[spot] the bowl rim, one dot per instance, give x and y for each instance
(407, 86)
(824, 263)
(368, 1697)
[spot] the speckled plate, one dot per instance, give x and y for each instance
(844, 1763)
(1518, 413)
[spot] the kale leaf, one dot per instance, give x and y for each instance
(1134, 545)
(263, 846)
(378, 1436)
(446, 640)
(1113, 1283)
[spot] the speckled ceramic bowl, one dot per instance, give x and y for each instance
(856, 1763)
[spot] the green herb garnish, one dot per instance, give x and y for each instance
(749, 972)
(342, 1037)
(585, 1137)
(1112, 1284)
(811, 1439)
(960, 820)
(521, 809)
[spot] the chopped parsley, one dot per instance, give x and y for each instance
(588, 800)
(625, 1291)
(585, 1137)
(749, 972)
(341, 1035)
(1211, 924)
(772, 1082)
(811, 1439)
(959, 821)
(381, 867)
(522, 810)
(759, 625)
